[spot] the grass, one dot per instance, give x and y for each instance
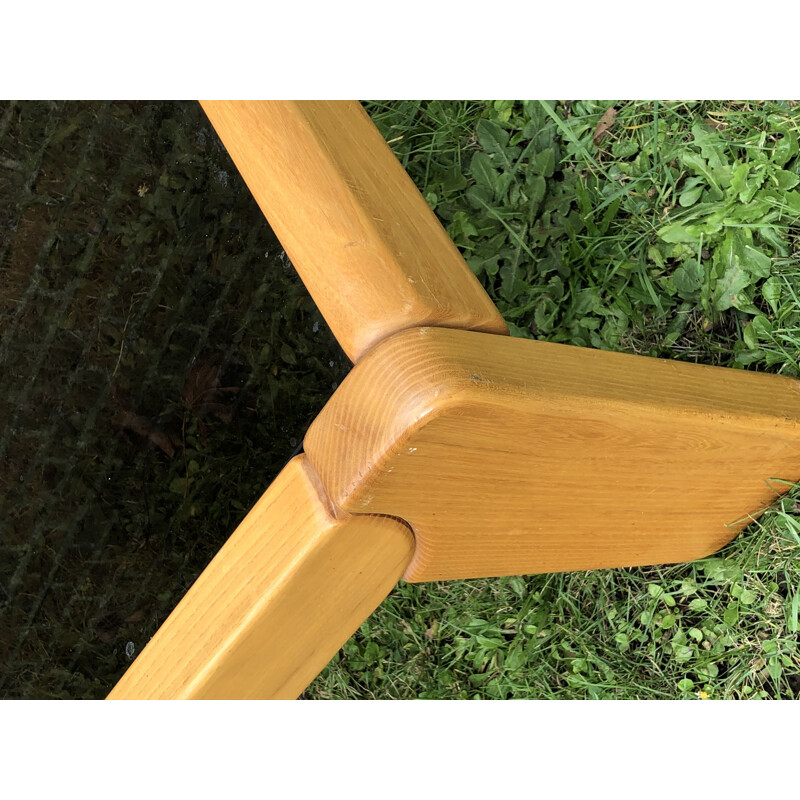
(675, 235)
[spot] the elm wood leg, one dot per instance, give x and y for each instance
(369, 249)
(284, 593)
(510, 456)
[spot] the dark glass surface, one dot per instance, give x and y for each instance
(160, 361)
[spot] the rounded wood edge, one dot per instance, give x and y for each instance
(415, 375)
(399, 386)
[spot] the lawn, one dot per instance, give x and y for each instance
(665, 229)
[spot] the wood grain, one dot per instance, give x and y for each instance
(284, 593)
(512, 456)
(370, 251)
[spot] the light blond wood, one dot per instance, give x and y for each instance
(280, 598)
(364, 241)
(513, 456)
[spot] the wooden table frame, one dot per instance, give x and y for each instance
(451, 450)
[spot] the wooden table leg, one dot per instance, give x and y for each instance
(370, 251)
(509, 456)
(284, 593)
